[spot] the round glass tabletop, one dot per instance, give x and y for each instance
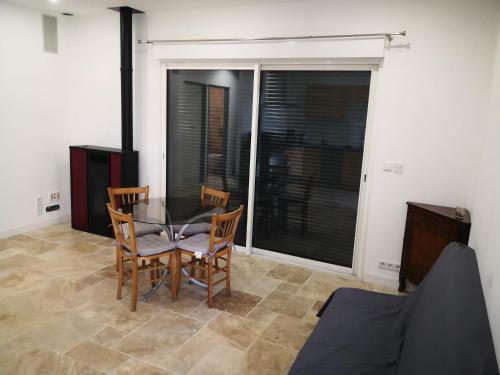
(172, 210)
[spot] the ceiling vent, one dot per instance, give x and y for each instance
(49, 33)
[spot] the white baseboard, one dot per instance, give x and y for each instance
(387, 281)
(27, 228)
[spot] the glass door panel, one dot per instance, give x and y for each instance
(209, 116)
(310, 151)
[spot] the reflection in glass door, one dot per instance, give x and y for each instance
(310, 151)
(209, 117)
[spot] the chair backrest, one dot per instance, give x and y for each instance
(126, 196)
(224, 228)
(117, 220)
(213, 197)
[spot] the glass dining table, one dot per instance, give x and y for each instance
(173, 212)
(176, 212)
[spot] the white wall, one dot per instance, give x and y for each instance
(486, 206)
(50, 101)
(33, 121)
(93, 49)
(429, 103)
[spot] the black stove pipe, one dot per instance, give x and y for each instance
(126, 78)
(126, 75)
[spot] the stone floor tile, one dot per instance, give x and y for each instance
(266, 358)
(287, 304)
(18, 261)
(287, 287)
(233, 331)
(159, 337)
(203, 312)
(287, 331)
(97, 356)
(7, 243)
(289, 273)
(239, 303)
(23, 358)
(262, 315)
(134, 366)
(189, 354)
(109, 336)
(222, 361)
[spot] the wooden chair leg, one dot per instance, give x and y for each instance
(119, 263)
(173, 274)
(117, 260)
(228, 273)
(152, 274)
(193, 270)
(158, 270)
(133, 302)
(178, 265)
(204, 265)
(210, 286)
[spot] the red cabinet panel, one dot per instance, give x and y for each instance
(79, 203)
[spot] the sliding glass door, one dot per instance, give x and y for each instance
(209, 115)
(310, 135)
(310, 152)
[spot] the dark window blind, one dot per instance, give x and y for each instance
(209, 116)
(311, 139)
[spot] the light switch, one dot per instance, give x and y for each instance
(399, 168)
(387, 167)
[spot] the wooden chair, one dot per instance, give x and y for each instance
(119, 197)
(209, 249)
(149, 247)
(209, 197)
(214, 197)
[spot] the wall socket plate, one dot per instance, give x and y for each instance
(388, 265)
(53, 196)
(399, 168)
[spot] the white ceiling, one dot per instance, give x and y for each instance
(84, 7)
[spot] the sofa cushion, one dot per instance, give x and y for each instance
(445, 321)
(358, 333)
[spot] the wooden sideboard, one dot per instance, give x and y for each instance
(429, 229)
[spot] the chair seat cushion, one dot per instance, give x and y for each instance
(199, 243)
(152, 244)
(141, 229)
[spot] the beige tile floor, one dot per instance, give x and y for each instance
(59, 313)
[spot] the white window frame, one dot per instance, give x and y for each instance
(257, 67)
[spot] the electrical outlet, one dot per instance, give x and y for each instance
(387, 167)
(53, 196)
(387, 265)
(39, 206)
(399, 168)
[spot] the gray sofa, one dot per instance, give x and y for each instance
(441, 328)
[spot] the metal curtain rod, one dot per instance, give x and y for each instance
(272, 38)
